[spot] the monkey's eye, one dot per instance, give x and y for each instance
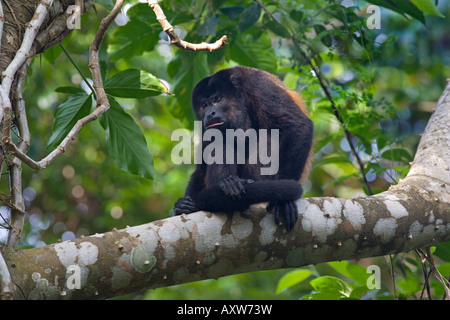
(217, 99)
(204, 105)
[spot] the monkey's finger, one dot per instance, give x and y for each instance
(270, 206)
(292, 213)
(276, 214)
(287, 215)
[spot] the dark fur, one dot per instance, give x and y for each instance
(246, 98)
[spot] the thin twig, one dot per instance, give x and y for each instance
(76, 67)
(175, 40)
(393, 276)
(30, 34)
(94, 65)
(426, 275)
(436, 272)
(338, 115)
(327, 92)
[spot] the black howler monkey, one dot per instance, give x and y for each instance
(248, 98)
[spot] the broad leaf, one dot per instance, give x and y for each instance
(330, 285)
(66, 116)
(249, 17)
(401, 6)
(186, 71)
(232, 12)
(443, 251)
(208, 28)
(69, 89)
(427, 6)
(397, 154)
(132, 40)
(126, 142)
(254, 53)
(133, 83)
(292, 278)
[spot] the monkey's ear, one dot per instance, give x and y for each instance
(235, 80)
(236, 77)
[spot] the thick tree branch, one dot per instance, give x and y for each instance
(410, 215)
(175, 40)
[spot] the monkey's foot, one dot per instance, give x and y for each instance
(184, 206)
(287, 210)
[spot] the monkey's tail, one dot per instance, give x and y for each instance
(214, 199)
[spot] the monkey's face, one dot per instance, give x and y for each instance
(219, 104)
(213, 112)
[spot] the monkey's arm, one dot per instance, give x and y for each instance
(215, 200)
(295, 156)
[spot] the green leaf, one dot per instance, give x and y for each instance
(292, 278)
(108, 4)
(254, 53)
(208, 28)
(66, 116)
(443, 251)
(444, 269)
(352, 271)
(249, 17)
(408, 286)
(232, 12)
(278, 29)
(132, 40)
(322, 296)
(52, 54)
(126, 142)
(427, 6)
(133, 83)
(330, 285)
(69, 89)
(186, 70)
(358, 292)
(331, 159)
(401, 6)
(397, 154)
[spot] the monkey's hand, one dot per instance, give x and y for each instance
(184, 205)
(287, 210)
(232, 186)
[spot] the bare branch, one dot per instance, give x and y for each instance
(25, 51)
(94, 65)
(19, 110)
(2, 20)
(175, 40)
(6, 284)
(27, 42)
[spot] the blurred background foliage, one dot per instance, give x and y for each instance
(385, 82)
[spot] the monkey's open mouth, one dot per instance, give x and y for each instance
(215, 124)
